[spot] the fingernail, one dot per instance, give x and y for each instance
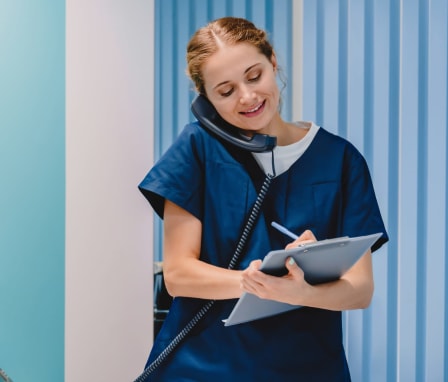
(291, 261)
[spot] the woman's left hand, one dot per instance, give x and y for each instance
(288, 288)
(353, 290)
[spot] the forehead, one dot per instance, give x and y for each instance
(230, 62)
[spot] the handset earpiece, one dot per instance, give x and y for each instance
(209, 118)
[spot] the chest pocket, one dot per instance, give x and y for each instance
(308, 206)
(328, 207)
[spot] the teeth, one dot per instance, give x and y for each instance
(254, 109)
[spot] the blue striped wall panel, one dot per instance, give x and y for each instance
(376, 73)
(388, 95)
(176, 21)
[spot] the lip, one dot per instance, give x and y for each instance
(255, 110)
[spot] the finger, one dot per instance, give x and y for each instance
(249, 275)
(255, 264)
(297, 243)
(305, 238)
(291, 265)
(249, 285)
(307, 235)
(293, 268)
(253, 275)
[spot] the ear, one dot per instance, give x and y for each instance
(274, 62)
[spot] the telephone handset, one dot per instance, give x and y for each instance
(209, 118)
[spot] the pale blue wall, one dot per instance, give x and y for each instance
(32, 190)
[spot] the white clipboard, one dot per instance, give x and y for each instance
(322, 261)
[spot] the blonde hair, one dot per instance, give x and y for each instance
(227, 30)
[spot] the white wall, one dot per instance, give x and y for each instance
(109, 148)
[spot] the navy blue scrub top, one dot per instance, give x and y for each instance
(327, 190)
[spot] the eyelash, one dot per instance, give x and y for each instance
(253, 79)
(227, 94)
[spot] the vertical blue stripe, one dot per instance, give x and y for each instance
(368, 154)
(445, 310)
(210, 10)
(436, 123)
(229, 8)
(190, 16)
(269, 19)
(368, 82)
(367, 150)
(175, 57)
(289, 61)
(343, 68)
(191, 29)
(392, 223)
(421, 188)
(158, 116)
(249, 9)
(320, 57)
(309, 57)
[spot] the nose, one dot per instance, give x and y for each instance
(247, 94)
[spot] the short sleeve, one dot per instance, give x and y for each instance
(361, 213)
(177, 175)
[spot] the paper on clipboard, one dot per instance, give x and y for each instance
(322, 261)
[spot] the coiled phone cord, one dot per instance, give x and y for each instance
(233, 262)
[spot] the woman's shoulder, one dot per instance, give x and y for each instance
(194, 135)
(332, 141)
(331, 137)
(192, 139)
(192, 131)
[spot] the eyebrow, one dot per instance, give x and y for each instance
(247, 70)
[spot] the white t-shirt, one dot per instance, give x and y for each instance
(285, 156)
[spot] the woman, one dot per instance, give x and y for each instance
(204, 190)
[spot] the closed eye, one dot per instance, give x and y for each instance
(228, 93)
(254, 79)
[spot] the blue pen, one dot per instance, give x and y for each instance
(284, 230)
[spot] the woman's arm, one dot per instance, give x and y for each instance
(184, 274)
(353, 291)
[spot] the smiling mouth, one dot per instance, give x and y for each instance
(254, 110)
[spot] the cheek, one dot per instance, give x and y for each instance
(275, 88)
(277, 97)
(227, 113)
(224, 109)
